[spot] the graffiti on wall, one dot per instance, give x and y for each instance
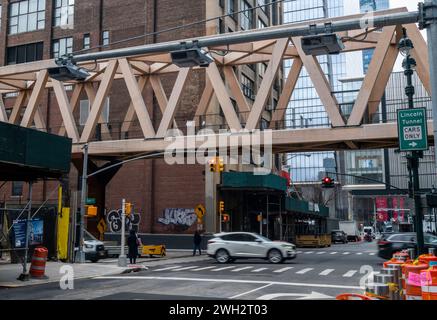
(184, 218)
(113, 218)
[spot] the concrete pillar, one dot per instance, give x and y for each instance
(350, 201)
(210, 219)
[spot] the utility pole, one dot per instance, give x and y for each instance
(25, 275)
(82, 203)
(122, 261)
(405, 46)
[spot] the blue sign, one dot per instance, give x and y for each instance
(35, 233)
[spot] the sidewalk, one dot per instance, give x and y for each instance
(10, 272)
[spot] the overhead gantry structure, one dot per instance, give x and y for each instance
(140, 66)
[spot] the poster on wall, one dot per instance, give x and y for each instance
(36, 233)
(381, 209)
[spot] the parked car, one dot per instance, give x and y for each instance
(394, 242)
(94, 249)
(227, 247)
(338, 236)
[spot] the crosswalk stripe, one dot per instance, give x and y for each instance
(309, 252)
(303, 271)
(326, 272)
(359, 253)
(224, 268)
(350, 273)
(167, 268)
(204, 268)
(300, 252)
(346, 253)
(241, 269)
(259, 270)
(283, 269)
(372, 254)
(323, 252)
(185, 268)
(335, 252)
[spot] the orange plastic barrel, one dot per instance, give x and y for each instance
(429, 282)
(38, 266)
(413, 283)
(427, 258)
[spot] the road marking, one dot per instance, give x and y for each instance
(259, 270)
(359, 253)
(224, 268)
(185, 268)
(335, 252)
(372, 254)
(326, 272)
(309, 252)
(283, 269)
(204, 268)
(350, 273)
(311, 296)
(323, 252)
(345, 253)
(241, 269)
(168, 268)
(296, 252)
(303, 271)
(254, 290)
(293, 284)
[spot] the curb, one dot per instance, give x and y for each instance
(125, 271)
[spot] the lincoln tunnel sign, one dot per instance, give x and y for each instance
(413, 131)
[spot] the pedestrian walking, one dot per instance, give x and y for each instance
(197, 242)
(133, 243)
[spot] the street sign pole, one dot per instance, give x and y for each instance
(122, 262)
(83, 197)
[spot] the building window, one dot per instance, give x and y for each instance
(85, 111)
(246, 16)
(64, 12)
(62, 47)
(25, 53)
(261, 24)
(247, 86)
(25, 16)
(17, 188)
(86, 41)
(231, 7)
(264, 7)
(105, 38)
(0, 15)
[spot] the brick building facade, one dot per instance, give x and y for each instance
(33, 30)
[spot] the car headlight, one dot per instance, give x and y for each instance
(288, 246)
(88, 246)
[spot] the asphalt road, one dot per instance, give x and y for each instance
(314, 274)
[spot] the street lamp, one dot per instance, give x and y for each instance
(409, 64)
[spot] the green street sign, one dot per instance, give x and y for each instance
(90, 201)
(413, 129)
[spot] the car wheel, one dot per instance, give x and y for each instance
(275, 256)
(94, 260)
(222, 256)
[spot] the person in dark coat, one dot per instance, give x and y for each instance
(133, 243)
(197, 241)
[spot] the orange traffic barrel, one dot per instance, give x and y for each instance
(427, 258)
(38, 266)
(429, 282)
(413, 282)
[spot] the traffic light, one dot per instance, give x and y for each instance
(221, 206)
(127, 208)
(221, 165)
(327, 182)
(259, 218)
(226, 217)
(213, 164)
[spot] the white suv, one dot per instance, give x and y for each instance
(227, 247)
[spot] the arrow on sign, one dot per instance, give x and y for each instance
(413, 144)
(303, 296)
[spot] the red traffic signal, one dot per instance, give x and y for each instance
(328, 182)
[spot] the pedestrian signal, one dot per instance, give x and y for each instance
(127, 208)
(226, 217)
